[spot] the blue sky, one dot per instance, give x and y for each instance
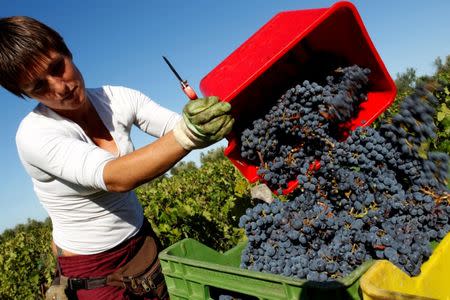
(122, 44)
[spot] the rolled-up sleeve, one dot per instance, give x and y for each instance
(56, 153)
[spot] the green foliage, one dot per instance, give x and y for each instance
(441, 82)
(202, 203)
(26, 260)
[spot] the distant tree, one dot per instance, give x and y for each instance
(405, 82)
(212, 155)
(441, 85)
(182, 166)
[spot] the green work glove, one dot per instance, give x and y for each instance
(205, 121)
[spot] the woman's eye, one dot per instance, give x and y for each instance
(58, 68)
(39, 86)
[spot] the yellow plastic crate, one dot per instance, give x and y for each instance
(385, 281)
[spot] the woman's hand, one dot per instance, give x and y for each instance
(205, 121)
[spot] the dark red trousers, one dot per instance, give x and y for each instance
(103, 264)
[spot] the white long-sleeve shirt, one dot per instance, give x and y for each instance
(66, 168)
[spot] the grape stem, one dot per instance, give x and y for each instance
(438, 199)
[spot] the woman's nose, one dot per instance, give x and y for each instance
(58, 86)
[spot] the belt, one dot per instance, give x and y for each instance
(85, 283)
(75, 283)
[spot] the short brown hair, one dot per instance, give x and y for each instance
(24, 41)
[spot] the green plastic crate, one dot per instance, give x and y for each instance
(196, 272)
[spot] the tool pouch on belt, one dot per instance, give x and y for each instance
(59, 290)
(142, 274)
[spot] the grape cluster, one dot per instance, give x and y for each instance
(377, 194)
(304, 120)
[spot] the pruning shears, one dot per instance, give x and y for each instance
(187, 89)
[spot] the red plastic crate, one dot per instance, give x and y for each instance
(291, 47)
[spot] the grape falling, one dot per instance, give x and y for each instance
(376, 194)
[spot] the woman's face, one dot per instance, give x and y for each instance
(58, 83)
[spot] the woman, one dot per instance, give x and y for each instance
(76, 147)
